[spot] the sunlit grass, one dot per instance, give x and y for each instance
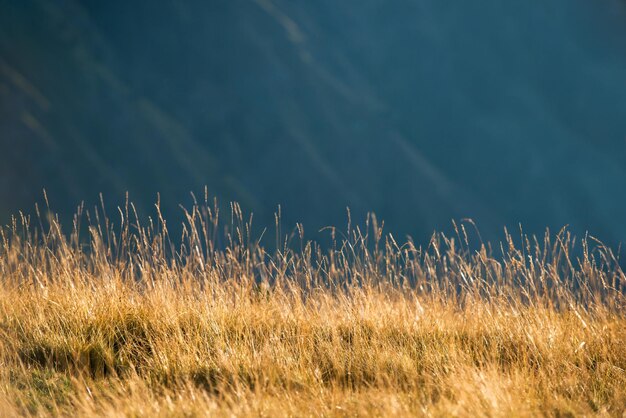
(123, 322)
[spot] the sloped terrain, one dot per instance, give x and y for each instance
(420, 111)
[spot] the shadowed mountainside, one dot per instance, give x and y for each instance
(421, 111)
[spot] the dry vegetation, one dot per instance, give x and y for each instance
(122, 322)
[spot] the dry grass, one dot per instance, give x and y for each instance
(121, 322)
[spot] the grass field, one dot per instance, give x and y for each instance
(124, 320)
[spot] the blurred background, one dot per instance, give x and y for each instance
(421, 111)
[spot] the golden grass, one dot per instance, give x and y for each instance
(122, 322)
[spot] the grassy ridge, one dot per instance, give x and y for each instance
(122, 322)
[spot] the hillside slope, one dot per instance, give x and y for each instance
(421, 111)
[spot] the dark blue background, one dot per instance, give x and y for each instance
(422, 111)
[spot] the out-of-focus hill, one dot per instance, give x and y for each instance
(421, 111)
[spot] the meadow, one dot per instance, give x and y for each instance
(114, 317)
